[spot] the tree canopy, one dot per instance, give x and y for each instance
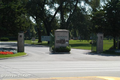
(65, 14)
(13, 17)
(107, 20)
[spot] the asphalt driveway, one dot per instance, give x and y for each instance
(41, 63)
(42, 53)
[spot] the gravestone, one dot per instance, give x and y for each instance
(20, 43)
(33, 38)
(99, 42)
(61, 38)
(45, 38)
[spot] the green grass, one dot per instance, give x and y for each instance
(8, 41)
(36, 42)
(77, 44)
(31, 42)
(80, 44)
(112, 52)
(13, 55)
(84, 44)
(107, 44)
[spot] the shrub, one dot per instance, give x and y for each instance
(62, 49)
(4, 39)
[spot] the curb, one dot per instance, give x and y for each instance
(109, 78)
(71, 78)
(13, 57)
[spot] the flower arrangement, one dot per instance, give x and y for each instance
(5, 53)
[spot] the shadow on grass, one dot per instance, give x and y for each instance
(78, 45)
(105, 53)
(45, 44)
(14, 44)
(52, 53)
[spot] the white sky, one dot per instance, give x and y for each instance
(52, 11)
(32, 19)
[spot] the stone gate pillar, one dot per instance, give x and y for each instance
(99, 42)
(61, 38)
(20, 43)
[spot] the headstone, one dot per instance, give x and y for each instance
(33, 38)
(61, 38)
(21, 42)
(99, 42)
(45, 38)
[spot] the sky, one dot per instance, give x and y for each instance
(52, 11)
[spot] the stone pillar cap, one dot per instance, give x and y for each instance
(61, 30)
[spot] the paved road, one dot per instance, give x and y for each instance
(42, 53)
(40, 63)
(59, 69)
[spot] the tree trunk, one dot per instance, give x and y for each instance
(114, 41)
(38, 29)
(117, 42)
(62, 26)
(39, 35)
(48, 33)
(48, 29)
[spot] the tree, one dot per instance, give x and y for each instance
(37, 9)
(98, 20)
(80, 24)
(112, 16)
(65, 8)
(31, 31)
(108, 19)
(33, 10)
(12, 18)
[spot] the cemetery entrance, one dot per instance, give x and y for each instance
(97, 43)
(8, 45)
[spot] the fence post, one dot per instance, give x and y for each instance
(20, 43)
(99, 42)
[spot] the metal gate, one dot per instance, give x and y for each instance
(52, 42)
(94, 43)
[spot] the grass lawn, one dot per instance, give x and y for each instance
(31, 42)
(77, 44)
(73, 43)
(84, 44)
(80, 44)
(8, 41)
(13, 55)
(107, 44)
(112, 52)
(36, 42)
